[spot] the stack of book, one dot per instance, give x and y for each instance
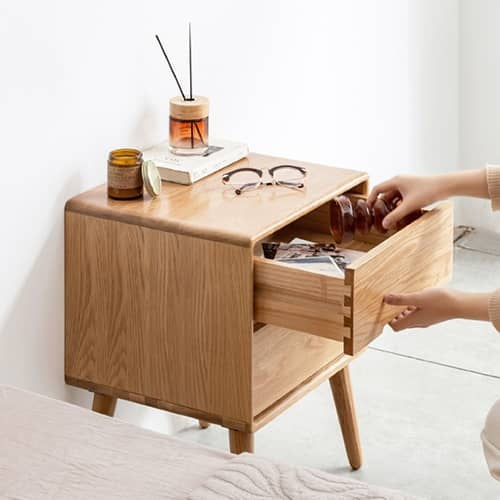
(189, 169)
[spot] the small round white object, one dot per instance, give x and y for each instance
(151, 178)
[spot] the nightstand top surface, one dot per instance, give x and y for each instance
(211, 210)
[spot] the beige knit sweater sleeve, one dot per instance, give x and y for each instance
(493, 176)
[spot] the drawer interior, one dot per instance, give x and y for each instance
(351, 308)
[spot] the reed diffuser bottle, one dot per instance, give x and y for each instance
(188, 114)
(189, 125)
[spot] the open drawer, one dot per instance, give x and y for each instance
(351, 309)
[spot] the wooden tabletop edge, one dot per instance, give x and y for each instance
(186, 229)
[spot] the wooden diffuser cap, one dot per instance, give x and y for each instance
(196, 109)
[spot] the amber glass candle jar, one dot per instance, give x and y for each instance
(124, 174)
(347, 219)
(189, 125)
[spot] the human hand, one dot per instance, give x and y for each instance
(415, 192)
(418, 192)
(423, 309)
(436, 305)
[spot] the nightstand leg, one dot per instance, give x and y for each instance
(340, 384)
(203, 424)
(104, 404)
(240, 441)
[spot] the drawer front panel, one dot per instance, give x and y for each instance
(417, 257)
(300, 300)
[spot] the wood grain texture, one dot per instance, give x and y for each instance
(299, 299)
(416, 257)
(159, 314)
(210, 210)
(340, 384)
(102, 403)
(283, 359)
(240, 442)
(317, 220)
(162, 405)
(317, 378)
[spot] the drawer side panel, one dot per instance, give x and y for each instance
(159, 314)
(300, 300)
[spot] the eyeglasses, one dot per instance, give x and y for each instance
(245, 179)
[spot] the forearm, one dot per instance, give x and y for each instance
(473, 183)
(471, 305)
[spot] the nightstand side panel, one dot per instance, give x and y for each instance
(160, 315)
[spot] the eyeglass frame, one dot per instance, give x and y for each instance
(260, 172)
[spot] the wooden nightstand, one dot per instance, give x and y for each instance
(167, 304)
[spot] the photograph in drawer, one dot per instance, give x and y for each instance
(324, 258)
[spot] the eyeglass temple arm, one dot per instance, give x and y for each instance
(291, 184)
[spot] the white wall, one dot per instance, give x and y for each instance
(479, 98)
(362, 84)
(434, 86)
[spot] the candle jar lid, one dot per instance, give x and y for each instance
(189, 110)
(151, 178)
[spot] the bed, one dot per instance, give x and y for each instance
(51, 449)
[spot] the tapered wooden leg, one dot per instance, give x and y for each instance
(104, 404)
(240, 441)
(203, 424)
(340, 384)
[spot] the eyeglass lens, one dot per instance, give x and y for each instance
(244, 180)
(288, 176)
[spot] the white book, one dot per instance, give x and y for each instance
(189, 169)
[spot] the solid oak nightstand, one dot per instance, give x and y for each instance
(168, 303)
